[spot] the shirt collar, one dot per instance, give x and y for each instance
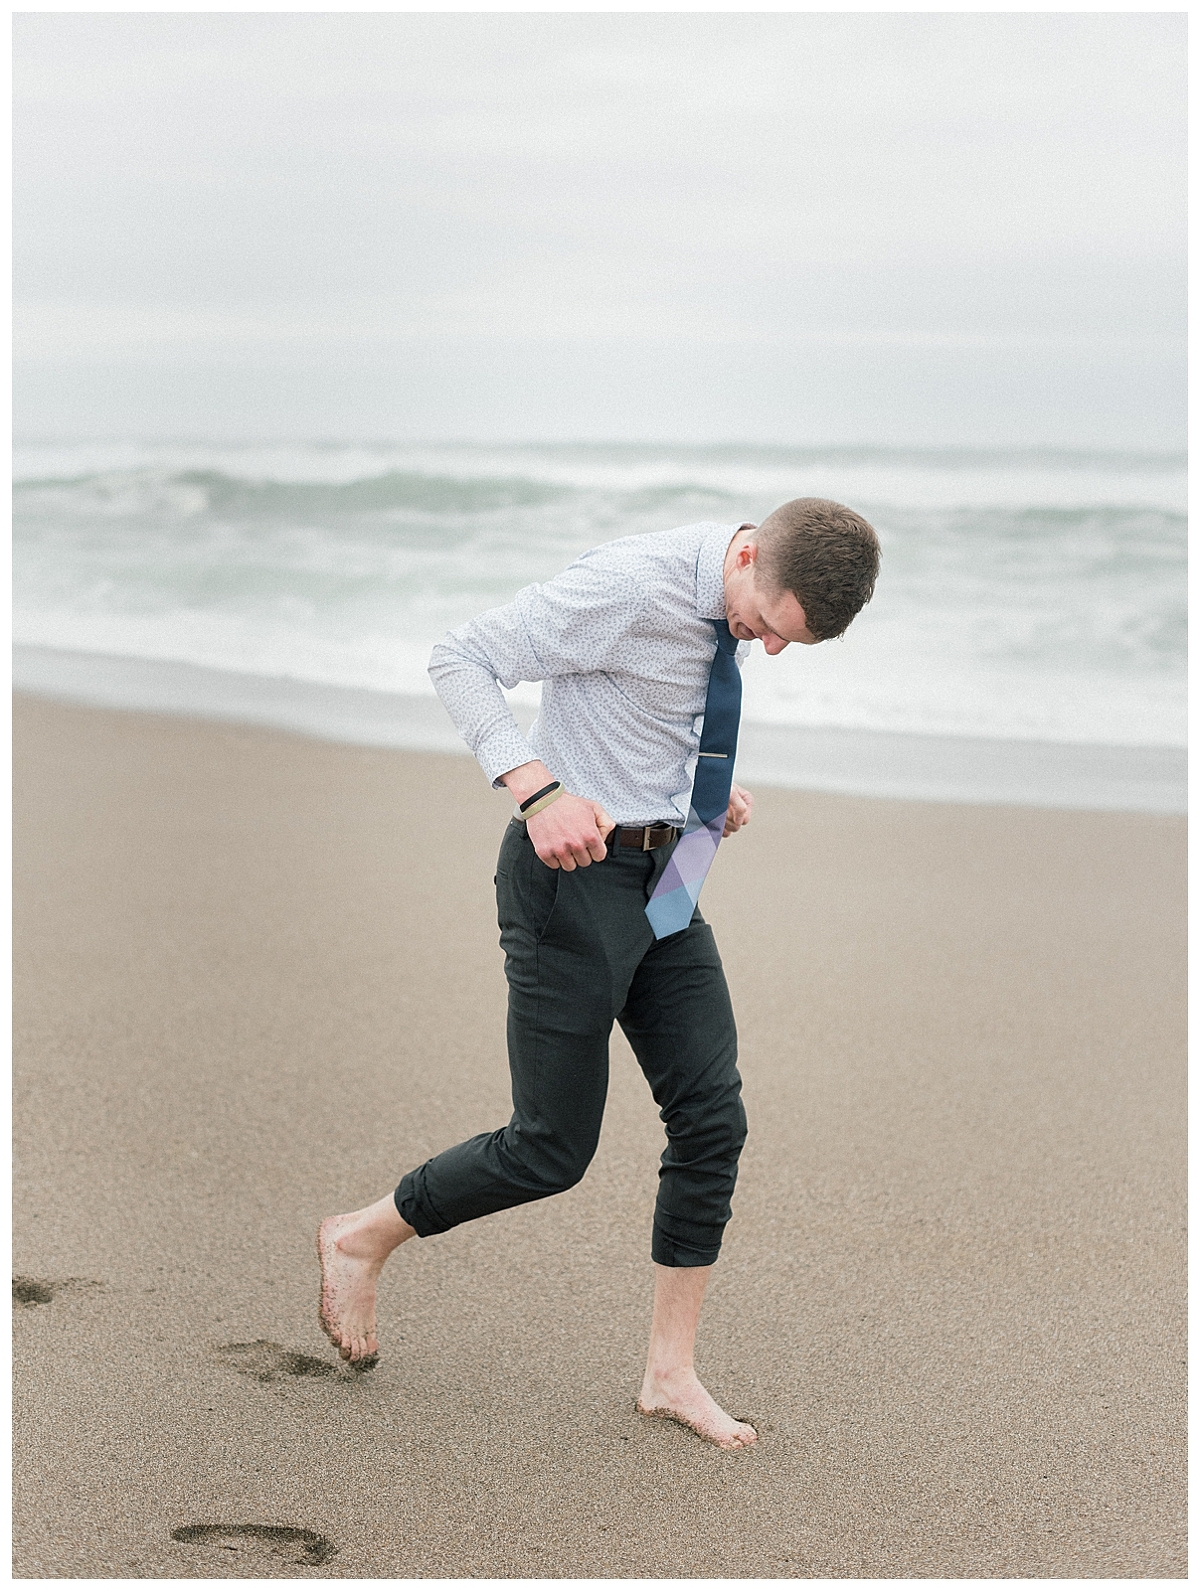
(710, 570)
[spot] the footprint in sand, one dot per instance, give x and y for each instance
(269, 1361)
(260, 1541)
(31, 1290)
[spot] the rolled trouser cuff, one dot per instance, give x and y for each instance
(670, 1251)
(414, 1207)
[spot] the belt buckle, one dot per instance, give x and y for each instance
(646, 838)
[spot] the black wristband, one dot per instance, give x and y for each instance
(555, 784)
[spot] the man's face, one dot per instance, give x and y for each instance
(757, 613)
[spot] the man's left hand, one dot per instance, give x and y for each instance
(741, 804)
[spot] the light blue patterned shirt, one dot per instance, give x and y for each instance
(623, 644)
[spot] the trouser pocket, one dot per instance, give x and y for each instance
(526, 889)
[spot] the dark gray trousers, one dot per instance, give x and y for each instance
(579, 954)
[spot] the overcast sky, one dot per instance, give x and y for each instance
(893, 228)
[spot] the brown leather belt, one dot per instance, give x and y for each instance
(648, 838)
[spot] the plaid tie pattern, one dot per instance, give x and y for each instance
(674, 899)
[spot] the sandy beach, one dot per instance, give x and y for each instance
(257, 979)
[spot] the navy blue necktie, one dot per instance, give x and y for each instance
(677, 891)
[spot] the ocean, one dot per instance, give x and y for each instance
(1030, 613)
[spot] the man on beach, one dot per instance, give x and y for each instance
(623, 790)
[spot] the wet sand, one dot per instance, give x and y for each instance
(257, 979)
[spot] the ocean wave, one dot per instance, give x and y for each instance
(191, 492)
(428, 478)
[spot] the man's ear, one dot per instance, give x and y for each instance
(747, 554)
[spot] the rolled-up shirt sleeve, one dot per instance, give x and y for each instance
(573, 624)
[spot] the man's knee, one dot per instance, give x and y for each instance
(729, 1125)
(552, 1165)
(566, 1169)
(714, 1130)
(737, 1124)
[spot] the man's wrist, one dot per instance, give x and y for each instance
(539, 801)
(524, 781)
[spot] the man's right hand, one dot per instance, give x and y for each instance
(570, 833)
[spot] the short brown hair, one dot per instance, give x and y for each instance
(826, 555)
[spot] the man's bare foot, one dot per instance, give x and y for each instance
(680, 1396)
(352, 1250)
